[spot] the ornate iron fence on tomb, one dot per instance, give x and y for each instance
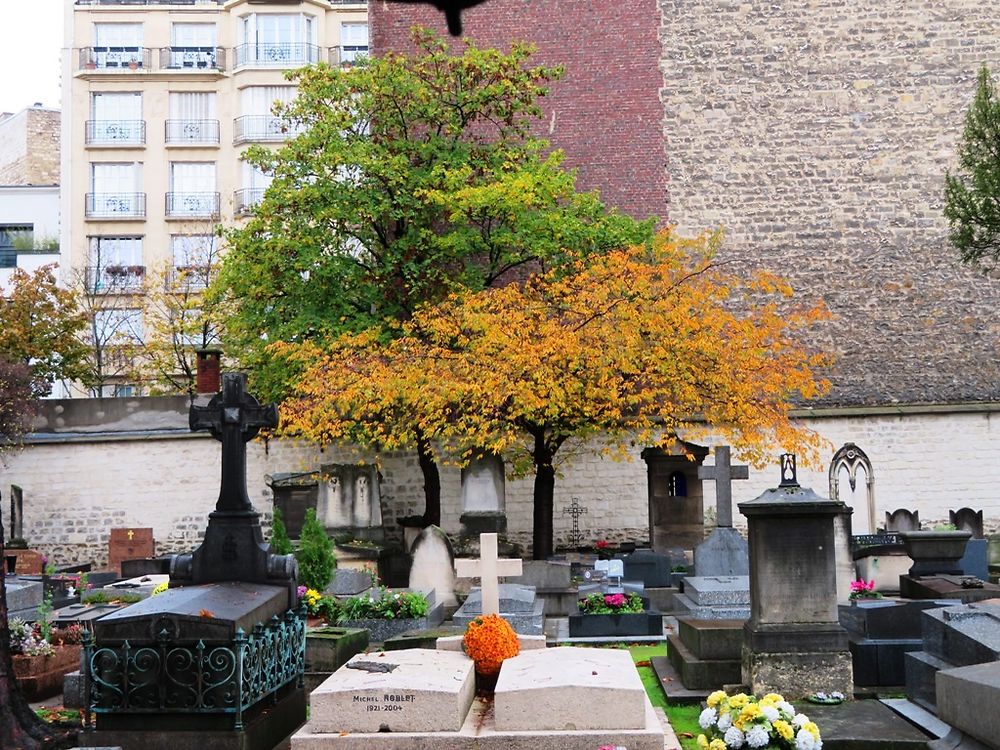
(168, 677)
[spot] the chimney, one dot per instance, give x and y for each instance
(209, 378)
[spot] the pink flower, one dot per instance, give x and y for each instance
(601, 544)
(614, 600)
(301, 591)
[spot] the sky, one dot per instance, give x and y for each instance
(31, 36)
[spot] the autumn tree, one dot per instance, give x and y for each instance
(639, 346)
(413, 176)
(972, 195)
(40, 327)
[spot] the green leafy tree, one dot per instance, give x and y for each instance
(315, 554)
(280, 543)
(972, 196)
(414, 176)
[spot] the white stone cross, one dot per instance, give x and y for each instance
(488, 568)
(723, 473)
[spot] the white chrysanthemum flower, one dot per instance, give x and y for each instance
(800, 720)
(757, 736)
(734, 738)
(771, 713)
(707, 718)
(806, 741)
(725, 721)
(787, 708)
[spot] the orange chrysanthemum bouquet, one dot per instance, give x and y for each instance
(488, 641)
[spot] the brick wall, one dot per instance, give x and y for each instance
(29, 148)
(605, 112)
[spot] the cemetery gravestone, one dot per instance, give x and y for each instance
(967, 519)
(350, 501)
(433, 566)
(488, 568)
(483, 496)
(902, 520)
(129, 544)
(724, 552)
(676, 513)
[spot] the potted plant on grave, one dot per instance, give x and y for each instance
(736, 721)
(384, 613)
(488, 641)
(602, 614)
(861, 589)
(42, 655)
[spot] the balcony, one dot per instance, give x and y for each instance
(115, 279)
(192, 205)
(115, 206)
(346, 54)
(115, 59)
(263, 129)
(244, 200)
(115, 133)
(278, 55)
(193, 59)
(192, 132)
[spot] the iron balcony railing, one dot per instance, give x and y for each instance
(346, 54)
(279, 55)
(114, 279)
(115, 132)
(167, 676)
(244, 200)
(115, 205)
(263, 128)
(191, 132)
(115, 59)
(193, 205)
(192, 58)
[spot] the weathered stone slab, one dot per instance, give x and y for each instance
(723, 553)
(569, 688)
(718, 590)
(23, 597)
(967, 698)
(349, 582)
(422, 690)
(518, 605)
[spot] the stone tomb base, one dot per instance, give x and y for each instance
(546, 699)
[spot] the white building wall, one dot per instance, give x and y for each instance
(38, 206)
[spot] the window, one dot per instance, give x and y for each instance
(115, 191)
(353, 41)
(116, 118)
(192, 189)
(11, 236)
(192, 45)
(193, 256)
(277, 39)
(115, 264)
(258, 123)
(118, 45)
(119, 326)
(255, 182)
(119, 390)
(192, 119)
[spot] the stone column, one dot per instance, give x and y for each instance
(793, 643)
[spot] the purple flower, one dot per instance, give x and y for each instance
(301, 591)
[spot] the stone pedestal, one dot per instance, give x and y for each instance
(793, 643)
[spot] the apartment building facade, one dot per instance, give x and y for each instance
(160, 99)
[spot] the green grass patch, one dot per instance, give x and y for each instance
(683, 718)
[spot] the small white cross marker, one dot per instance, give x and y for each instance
(488, 568)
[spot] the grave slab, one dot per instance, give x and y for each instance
(708, 591)
(23, 597)
(967, 698)
(865, 725)
(518, 605)
(349, 582)
(422, 690)
(569, 688)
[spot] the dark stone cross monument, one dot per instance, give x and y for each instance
(575, 510)
(724, 552)
(217, 660)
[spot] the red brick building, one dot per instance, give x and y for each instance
(605, 113)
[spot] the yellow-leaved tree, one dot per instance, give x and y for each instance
(639, 346)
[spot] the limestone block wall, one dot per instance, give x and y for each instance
(29, 148)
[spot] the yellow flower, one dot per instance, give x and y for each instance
(738, 701)
(750, 712)
(784, 729)
(716, 698)
(810, 726)
(772, 699)
(717, 744)
(702, 742)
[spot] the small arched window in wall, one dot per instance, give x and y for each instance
(849, 459)
(677, 484)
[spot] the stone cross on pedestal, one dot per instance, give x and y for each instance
(723, 473)
(488, 568)
(234, 417)
(576, 510)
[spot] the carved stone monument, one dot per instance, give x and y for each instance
(484, 496)
(350, 501)
(675, 497)
(724, 553)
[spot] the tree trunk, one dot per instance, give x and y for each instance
(545, 483)
(20, 727)
(432, 481)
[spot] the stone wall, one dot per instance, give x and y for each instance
(29, 148)
(79, 484)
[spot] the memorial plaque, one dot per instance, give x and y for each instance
(414, 690)
(130, 544)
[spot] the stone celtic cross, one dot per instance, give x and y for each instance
(575, 510)
(234, 417)
(723, 473)
(488, 568)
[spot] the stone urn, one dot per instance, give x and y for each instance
(935, 552)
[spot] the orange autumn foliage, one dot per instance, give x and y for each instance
(636, 347)
(488, 641)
